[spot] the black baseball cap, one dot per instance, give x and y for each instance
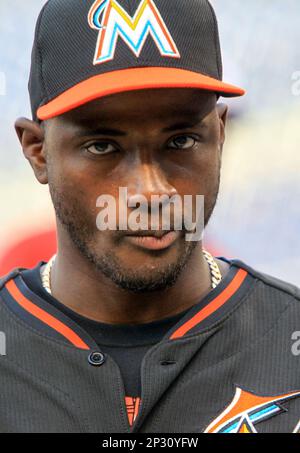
(87, 49)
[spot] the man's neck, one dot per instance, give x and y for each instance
(76, 284)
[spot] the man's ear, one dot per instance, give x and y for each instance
(222, 110)
(31, 136)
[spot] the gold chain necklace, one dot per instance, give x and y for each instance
(46, 275)
(215, 272)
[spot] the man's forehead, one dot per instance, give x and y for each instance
(162, 105)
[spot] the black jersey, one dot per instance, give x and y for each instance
(126, 344)
(229, 364)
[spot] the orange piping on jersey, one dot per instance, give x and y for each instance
(45, 317)
(214, 305)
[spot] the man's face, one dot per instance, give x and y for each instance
(152, 142)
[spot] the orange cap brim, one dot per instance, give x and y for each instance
(131, 80)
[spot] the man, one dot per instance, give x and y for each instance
(138, 330)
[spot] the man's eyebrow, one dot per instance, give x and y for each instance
(83, 131)
(184, 125)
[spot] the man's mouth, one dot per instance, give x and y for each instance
(153, 240)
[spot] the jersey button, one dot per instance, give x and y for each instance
(96, 358)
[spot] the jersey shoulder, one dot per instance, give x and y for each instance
(10, 276)
(273, 282)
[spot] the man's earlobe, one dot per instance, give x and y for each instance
(31, 136)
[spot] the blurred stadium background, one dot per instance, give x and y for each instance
(257, 218)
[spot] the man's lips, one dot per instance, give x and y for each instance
(153, 240)
(146, 233)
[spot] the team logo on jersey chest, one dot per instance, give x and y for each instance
(114, 22)
(246, 410)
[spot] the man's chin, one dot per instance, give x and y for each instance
(140, 285)
(143, 281)
(142, 278)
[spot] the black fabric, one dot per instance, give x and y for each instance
(50, 385)
(126, 344)
(65, 44)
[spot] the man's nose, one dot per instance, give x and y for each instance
(148, 179)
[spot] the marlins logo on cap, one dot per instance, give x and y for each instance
(113, 21)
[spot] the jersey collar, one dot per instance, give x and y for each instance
(40, 315)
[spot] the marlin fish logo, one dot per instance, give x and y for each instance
(113, 22)
(247, 409)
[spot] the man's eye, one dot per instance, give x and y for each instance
(182, 142)
(101, 148)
